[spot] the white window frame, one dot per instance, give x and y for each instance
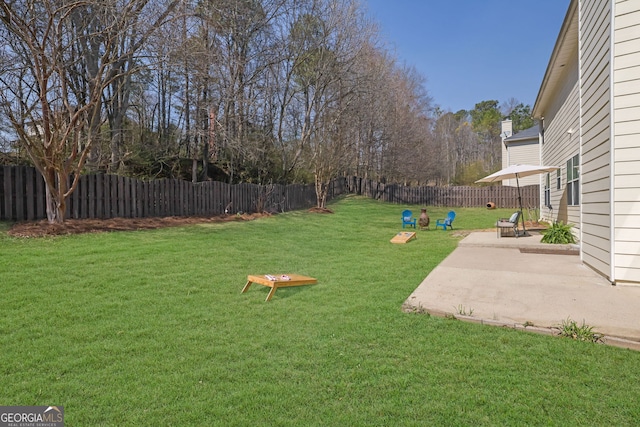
(573, 181)
(547, 191)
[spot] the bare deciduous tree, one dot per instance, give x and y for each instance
(64, 55)
(263, 90)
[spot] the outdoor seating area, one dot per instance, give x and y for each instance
(505, 225)
(408, 219)
(446, 222)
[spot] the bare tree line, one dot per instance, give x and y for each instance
(236, 90)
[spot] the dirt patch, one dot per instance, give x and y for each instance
(78, 226)
(320, 210)
(535, 226)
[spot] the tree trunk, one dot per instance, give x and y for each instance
(52, 207)
(321, 193)
(116, 155)
(56, 204)
(205, 162)
(194, 169)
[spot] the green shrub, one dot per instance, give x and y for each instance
(558, 233)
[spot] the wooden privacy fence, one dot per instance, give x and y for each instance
(460, 196)
(22, 196)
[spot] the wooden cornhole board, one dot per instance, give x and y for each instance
(275, 281)
(403, 237)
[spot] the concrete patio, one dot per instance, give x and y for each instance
(513, 282)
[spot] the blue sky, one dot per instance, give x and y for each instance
(472, 50)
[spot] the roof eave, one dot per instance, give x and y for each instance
(524, 138)
(565, 44)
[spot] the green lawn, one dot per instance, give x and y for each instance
(150, 328)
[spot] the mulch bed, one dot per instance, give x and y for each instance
(42, 228)
(78, 226)
(320, 210)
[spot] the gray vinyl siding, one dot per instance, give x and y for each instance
(559, 145)
(525, 152)
(595, 154)
(626, 149)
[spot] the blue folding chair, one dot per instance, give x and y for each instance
(446, 222)
(407, 219)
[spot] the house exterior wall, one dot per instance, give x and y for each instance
(592, 86)
(626, 146)
(507, 130)
(558, 145)
(595, 133)
(525, 152)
